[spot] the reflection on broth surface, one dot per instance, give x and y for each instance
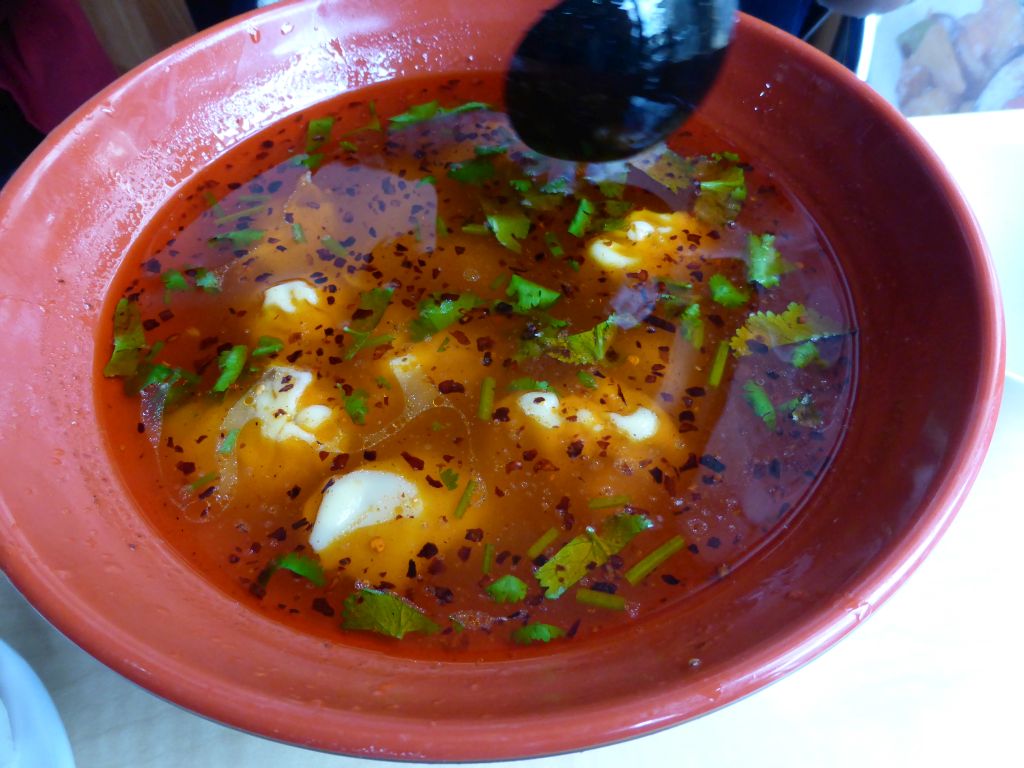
(389, 374)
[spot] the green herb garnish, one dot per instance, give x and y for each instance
(475, 171)
(600, 599)
(227, 445)
(384, 613)
(607, 502)
(542, 543)
(693, 326)
(507, 589)
(581, 219)
(267, 345)
(129, 340)
(573, 561)
(207, 280)
(486, 406)
(509, 229)
(537, 633)
(586, 347)
(465, 499)
(356, 405)
(640, 571)
(759, 401)
(718, 364)
(372, 305)
(231, 363)
(173, 282)
(300, 565)
(725, 293)
(203, 481)
(419, 113)
(529, 385)
(586, 379)
(488, 559)
(450, 478)
(794, 326)
(805, 354)
(528, 295)
(239, 237)
(436, 314)
(765, 264)
(318, 132)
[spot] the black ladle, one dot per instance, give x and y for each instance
(598, 80)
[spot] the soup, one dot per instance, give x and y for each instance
(390, 377)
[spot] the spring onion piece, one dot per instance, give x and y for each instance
(267, 345)
(607, 502)
(581, 219)
(718, 364)
(464, 499)
(640, 571)
(227, 445)
(761, 404)
(483, 411)
(231, 363)
(488, 559)
(542, 543)
(600, 599)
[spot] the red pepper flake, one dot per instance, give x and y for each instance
(691, 463)
(413, 461)
(434, 483)
(512, 466)
(339, 462)
(208, 492)
(475, 534)
(604, 586)
(575, 449)
(530, 455)
(687, 416)
(669, 579)
(300, 523)
(428, 551)
(256, 590)
(484, 343)
(500, 414)
(657, 474)
(279, 535)
(461, 337)
(464, 553)
(436, 566)
(294, 491)
(545, 465)
(502, 556)
(320, 605)
(233, 559)
(696, 391)
(712, 462)
(370, 455)
(449, 387)
(573, 629)
(410, 572)
(443, 595)
(186, 467)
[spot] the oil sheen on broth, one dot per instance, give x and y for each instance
(384, 373)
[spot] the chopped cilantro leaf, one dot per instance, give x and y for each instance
(267, 345)
(529, 385)
(587, 347)
(507, 589)
(231, 363)
(384, 613)
(529, 295)
(382, 382)
(174, 281)
(239, 237)
(693, 326)
(509, 229)
(475, 171)
(581, 219)
(559, 186)
(450, 478)
(553, 245)
(721, 196)
(572, 562)
(372, 305)
(725, 293)
(300, 565)
(419, 113)
(207, 280)
(373, 124)
(759, 401)
(805, 354)
(430, 179)
(586, 379)
(129, 339)
(227, 445)
(520, 185)
(794, 326)
(537, 633)
(613, 190)
(436, 314)
(348, 146)
(318, 132)
(356, 405)
(732, 181)
(765, 264)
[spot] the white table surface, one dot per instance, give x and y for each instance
(930, 680)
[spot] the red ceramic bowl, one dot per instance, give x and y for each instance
(931, 358)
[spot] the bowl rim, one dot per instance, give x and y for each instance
(750, 671)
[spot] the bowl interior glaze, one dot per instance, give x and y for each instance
(931, 356)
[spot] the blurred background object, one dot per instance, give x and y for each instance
(947, 56)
